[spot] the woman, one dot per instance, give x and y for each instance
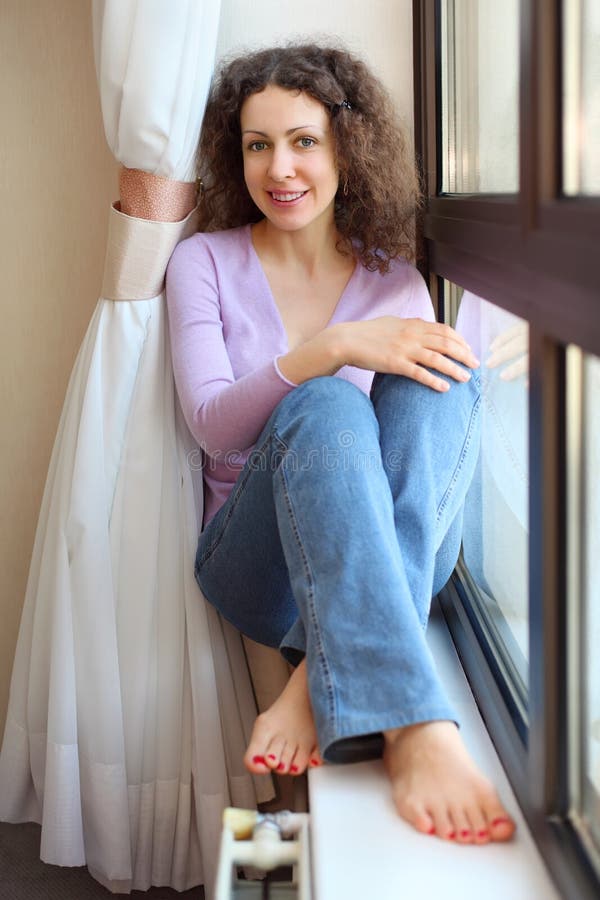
(333, 504)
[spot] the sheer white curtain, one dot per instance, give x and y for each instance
(130, 700)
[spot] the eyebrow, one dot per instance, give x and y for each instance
(288, 132)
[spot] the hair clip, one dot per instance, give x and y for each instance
(345, 104)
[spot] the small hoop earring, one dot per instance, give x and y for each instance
(345, 187)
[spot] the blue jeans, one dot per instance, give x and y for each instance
(344, 522)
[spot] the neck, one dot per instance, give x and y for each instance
(309, 249)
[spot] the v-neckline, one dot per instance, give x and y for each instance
(271, 297)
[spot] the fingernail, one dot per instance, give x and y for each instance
(293, 768)
(271, 756)
(500, 820)
(465, 834)
(259, 759)
(280, 767)
(483, 833)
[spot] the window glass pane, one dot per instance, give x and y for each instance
(581, 87)
(590, 544)
(480, 70)
(495, 528)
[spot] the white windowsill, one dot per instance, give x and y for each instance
(361, 849)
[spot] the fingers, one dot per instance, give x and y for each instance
(512, 347)
(512, 343)
(423, 376)
(516, 369)
(444, 340)
(442, 349)
(410, 347)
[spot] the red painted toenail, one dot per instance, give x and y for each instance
(293, 768)
(271, 756)
(464, 833)
(315, 762)
(259, 759)
(431, 830)
(280, 767)
(451, 835)
(483, 834)
(501, 820)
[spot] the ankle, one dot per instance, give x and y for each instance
(433, 726)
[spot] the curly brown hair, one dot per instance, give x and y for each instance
(379, 187)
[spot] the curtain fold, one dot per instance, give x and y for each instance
(130, 703)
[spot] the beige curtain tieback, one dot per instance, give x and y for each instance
(144, 228)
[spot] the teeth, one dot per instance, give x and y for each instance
(287, 197)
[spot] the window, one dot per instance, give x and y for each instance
(584, 569)
(508, 133)
(581, 97)
(496, 517)
(479, 44)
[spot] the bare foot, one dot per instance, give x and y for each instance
(437, 787)
(284, 737)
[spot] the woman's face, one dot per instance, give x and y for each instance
(289, 158)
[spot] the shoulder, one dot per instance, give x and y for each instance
(405, 287)
(205, 247)
(400, 275)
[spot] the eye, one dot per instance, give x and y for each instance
(306, 142)
(257, 146)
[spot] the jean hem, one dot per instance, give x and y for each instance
(362, 734)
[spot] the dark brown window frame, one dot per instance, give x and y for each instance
(534, 253)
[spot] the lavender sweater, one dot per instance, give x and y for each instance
(226, 336)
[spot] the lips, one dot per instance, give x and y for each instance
(286, 196)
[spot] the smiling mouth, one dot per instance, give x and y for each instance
(287, 196)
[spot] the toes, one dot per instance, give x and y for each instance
(416, 814)
(299, 763)
(481, 831)
(255, 762)
(501, 827)
(286, 755)
(274, 752)
(444, 826)
(255, 756)
(424, 823)
(497, 821)
(463, 829)
(314, 758)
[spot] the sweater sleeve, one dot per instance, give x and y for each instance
(224, 415)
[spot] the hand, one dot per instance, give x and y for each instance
(511, 346)
(407, 347)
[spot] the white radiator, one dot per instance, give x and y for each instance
(265, 842)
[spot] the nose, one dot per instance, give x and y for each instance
(281, 165)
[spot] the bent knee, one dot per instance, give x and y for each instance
(404, 392)
(326, 395)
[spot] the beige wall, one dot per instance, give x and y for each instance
(378, 30)
(57, 178)
(57, 181)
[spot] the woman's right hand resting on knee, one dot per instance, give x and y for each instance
(409, 347)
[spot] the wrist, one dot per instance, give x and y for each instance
(321, 355)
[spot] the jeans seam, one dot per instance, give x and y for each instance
(465, 447)
(327, 676)
(491, 408)
(237, 491)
